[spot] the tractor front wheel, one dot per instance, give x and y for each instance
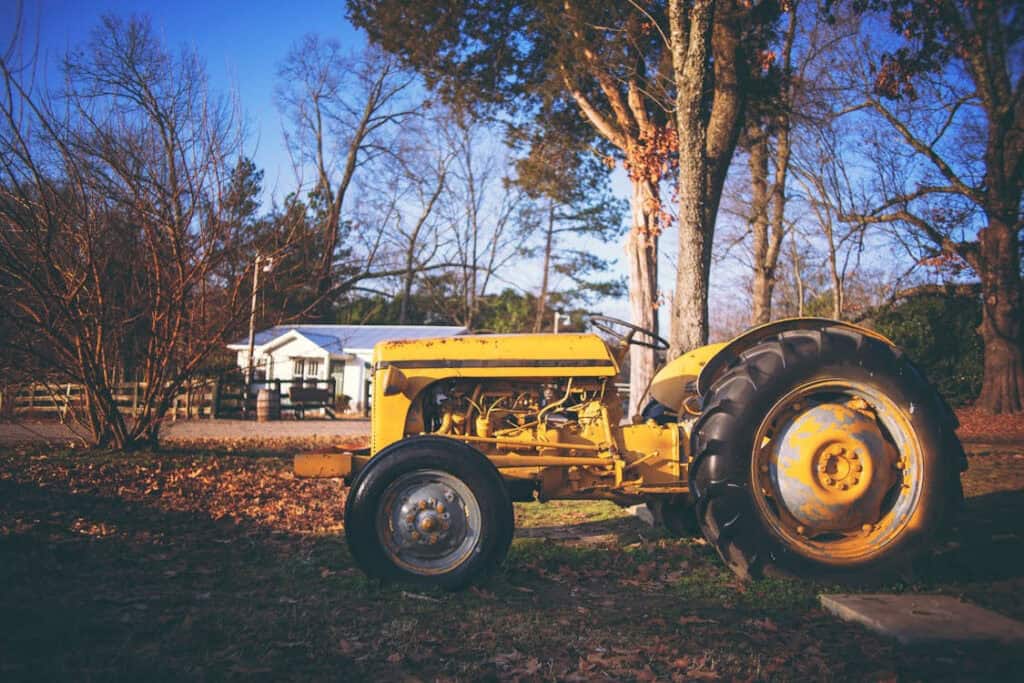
(823, 453)
(429, 511)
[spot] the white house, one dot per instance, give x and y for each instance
(319, 352)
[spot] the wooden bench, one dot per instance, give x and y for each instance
(309, 397)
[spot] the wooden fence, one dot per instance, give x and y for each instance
(197, 399)
(201, 398)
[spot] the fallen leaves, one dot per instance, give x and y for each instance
(980, 427)
(221, 565)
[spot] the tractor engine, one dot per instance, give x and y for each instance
(562, 416)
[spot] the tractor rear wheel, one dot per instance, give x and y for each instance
(823, 453)
(429, 511)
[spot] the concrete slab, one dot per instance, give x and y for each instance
(916, 618)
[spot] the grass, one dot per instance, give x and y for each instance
(205, 565)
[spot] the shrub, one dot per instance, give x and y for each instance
(939, 333)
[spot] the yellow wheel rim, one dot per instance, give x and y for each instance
(837, 471)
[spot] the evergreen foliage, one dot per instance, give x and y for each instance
(940, 333)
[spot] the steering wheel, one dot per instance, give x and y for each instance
(608, 325)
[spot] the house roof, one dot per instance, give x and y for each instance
(341, 338)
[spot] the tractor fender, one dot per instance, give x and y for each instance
(727, 353)
(677, 381)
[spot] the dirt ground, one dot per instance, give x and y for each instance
(316, 430)
(214, 564)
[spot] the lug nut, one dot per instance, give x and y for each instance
(415, 535)
(855, 455)
(857, 467)
(422, 505)
(855, 481)
(439, 507)
(830, 481)
(449, 496)
(801, 530)
(434, 539)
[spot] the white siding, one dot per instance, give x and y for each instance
(282, 357)
(356, 374)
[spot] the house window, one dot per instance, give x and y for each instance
(297, 369)
(312, 368)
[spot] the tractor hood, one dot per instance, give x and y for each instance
(512, 355)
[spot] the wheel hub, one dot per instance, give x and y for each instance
(429, 521)
(831, 468)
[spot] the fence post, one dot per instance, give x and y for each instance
(215, 399)
(63, 411)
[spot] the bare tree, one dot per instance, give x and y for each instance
(774, 122)
(950, 89)
(111, 228)
(420, 174)
(342, 113)
(484, 233)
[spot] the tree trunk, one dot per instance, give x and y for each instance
(833, 268)
(707, 140)
(542, 297)
(763, 280)
(691, 32)
(1001, 318)
(768, 232)
(798, 278)
(407, 281)
(642, 256)
(690, 303)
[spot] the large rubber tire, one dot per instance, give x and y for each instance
(732, 492)
(478, 495)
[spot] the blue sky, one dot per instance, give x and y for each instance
(241, 42)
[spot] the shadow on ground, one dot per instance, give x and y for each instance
(984, 560)
(105, 579)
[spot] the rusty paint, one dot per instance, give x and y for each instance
(831, 468)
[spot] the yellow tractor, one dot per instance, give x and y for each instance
(807, 447)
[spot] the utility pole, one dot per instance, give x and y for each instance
(269, 261)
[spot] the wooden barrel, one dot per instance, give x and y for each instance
(268, 405)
